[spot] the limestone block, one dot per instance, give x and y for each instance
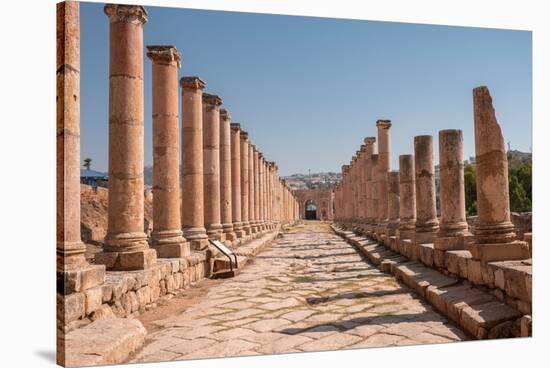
(143, 296)
(70, 307)
(103, 312)
(488, 275)
(107, 293)
(134, 301)
(486, 315)
(105, 341)
(155, 293)
(170, 284)
(474, 271)
(426, 251)
(94, 299)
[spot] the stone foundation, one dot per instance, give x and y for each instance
(488, 300)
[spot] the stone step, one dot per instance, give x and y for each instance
(477, 312)
(105, 341)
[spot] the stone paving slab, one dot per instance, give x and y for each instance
(308, 291)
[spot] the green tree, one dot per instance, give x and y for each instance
(524, 175)
(87, 163)
(519, 202)
(470, 190)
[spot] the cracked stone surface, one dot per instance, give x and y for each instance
(309, 291)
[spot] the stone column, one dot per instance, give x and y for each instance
(453, 226)
(257, 191)
(393, 202)
(384, 161)
(225, 177)
(261, 182)
(126, 246)
(426, 212)
(167, 237)
(245, 183)
(369, 143)
(407, 197)
(495, 239)
(74, 273)
(192, 204)
(236, 187)
(211, 163)
(375, 189)
(252, 189)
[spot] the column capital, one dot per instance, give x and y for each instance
(244, 135)
(210, 99)
(225, 115)
(369, 141)
(192, 82)
(119, 13)
(363, 148)
(345, 168)
(383, 124)
(236, 127)
(164, 54)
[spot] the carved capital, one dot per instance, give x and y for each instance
(235, 126)
(209, 99)
(192, 82)
(164, 54)
(369, 141)
(224, 114)
(383, 124)
(119, 13)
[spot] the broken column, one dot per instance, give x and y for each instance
(192, 204)
(236, 187)
(407, 202)
(167, 238)
(126, 246)
(211, 151)
(225, 177)
(452, 226)
(384, 158)
(74, 273)
(495, 239)
(426, 213)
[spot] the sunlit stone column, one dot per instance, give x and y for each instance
(426, 212)
(245, 183)
(237, 189)
(261, 181)
(211, 151)
(375, 189)
(74, 273)
(167, 237)
(363, 186)
(252, 189)
(393, 202)
(257, 191)
(384, 161)
(494, 232)
(126, 246)
(370, 144)
(192, 204)
(453, 226)
(225, 177)
(407, 197)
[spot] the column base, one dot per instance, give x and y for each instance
(127, 261)
(515, 250)
(174, 250)
(424, 237)
(79, 279)
(240, 233)
(459, 242)
(197, 238)
(199, 244)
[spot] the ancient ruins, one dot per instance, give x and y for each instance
(465, 280)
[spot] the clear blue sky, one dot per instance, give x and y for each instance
(308, 90)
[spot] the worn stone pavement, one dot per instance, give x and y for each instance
(308, 291)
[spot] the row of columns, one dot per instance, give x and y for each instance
(227, 189)
(401, 205)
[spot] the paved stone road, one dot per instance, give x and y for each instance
(309, 291)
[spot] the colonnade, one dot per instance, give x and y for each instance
(400, 206)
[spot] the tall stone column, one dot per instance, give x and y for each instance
(167, 237)
(384, 161)
(407, 197)
(225, 177)
(245, 183)
(192, 204)
(453, 226)
(236, 187)
(261, 181)
(375, 190)
(211, 151)
(257, 190)
(426, 213)
(74, 273)
(126, 246)
(363, 185)
(393, 202)
(370, 144)
(495, 238)
(252, 187)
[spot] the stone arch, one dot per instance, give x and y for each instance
(310, 210)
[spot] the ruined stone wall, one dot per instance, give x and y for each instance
(323, 199)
